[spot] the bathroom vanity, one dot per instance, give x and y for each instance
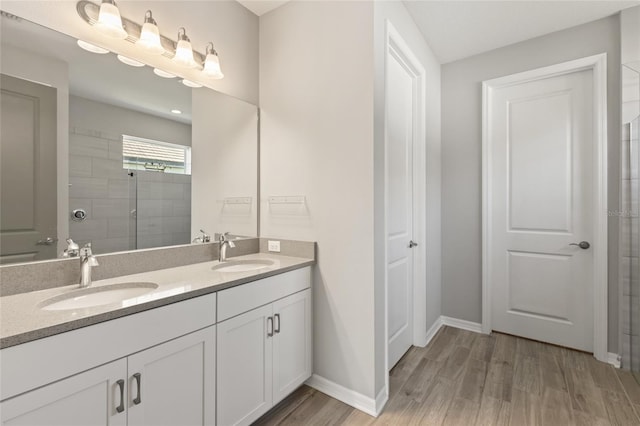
(206, 343)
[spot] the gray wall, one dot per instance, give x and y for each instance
(462, 149)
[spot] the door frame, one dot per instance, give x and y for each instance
(396, 46)
(598, 64)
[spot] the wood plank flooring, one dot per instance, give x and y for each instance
(464, 379)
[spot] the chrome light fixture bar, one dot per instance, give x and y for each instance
(90, 11)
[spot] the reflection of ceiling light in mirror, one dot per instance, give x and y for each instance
(190, 83)
(163, 74)
(150, 35)
(176, 111)
(184, 51)
(91, 47)
(212, 64)
(130, 61)
(109, 20)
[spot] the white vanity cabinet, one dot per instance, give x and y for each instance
(169, 384)
(263, 353)
(89, 398)
(174, 383)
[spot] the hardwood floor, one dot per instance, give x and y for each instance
(463, 378)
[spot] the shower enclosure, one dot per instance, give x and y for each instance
(630, 224)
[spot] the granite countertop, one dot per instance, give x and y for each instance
(22, 319)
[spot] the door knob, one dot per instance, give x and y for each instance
(49, 241)
(412, 244)
(582, 244)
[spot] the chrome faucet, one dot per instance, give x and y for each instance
(87, 262)
(72, 250)
(225, 243)
(204, 238)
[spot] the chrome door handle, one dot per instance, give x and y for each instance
(49, 241)
(412, 244)
(582, 244)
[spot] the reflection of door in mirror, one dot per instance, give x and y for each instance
(28, 171)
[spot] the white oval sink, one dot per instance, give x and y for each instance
(245, 265)
(97, 296)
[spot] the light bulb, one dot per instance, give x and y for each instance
(91, 47)
(212, 64)
(184, 52)
(130, 61)
(109, 20)
(150, 35)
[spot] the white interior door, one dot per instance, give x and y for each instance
(28, 204)
(541, 148)
(400, 101)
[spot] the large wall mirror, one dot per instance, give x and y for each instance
(112, 154)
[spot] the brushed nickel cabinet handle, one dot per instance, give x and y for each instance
(120, 408)
(270, 327)
(277, 327)
(138, 399)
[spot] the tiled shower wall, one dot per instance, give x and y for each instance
(99, 185)
(163, 209)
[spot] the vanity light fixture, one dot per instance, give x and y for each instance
(163, 74)
(109, 20)
(129, 61)
(106, 18)
(184, 51)
(150, 35)
(91, 47)
(190, 83)
(212, 63)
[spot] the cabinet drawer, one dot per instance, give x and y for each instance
(243, 298)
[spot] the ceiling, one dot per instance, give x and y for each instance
(459, 29)
(260, 7)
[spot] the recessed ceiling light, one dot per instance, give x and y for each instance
(176, 111)
(130, 61)
(163, 74)
(190, 83)
(91, 47)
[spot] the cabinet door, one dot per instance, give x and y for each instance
(291, 343)
(244, 367)
(174, 383)
(95, 397)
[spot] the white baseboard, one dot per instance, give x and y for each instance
(613, 359)
(431, 333)
(348, 396)
(381, 400)
(462, 324)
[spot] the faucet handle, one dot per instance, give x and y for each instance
(72, 250)
(206, 238)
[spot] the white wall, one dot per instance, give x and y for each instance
(462, 160)
(224, 164)
(316, 99)
(230, 26)
(398, 16)
(114, 120)
(18, 63)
